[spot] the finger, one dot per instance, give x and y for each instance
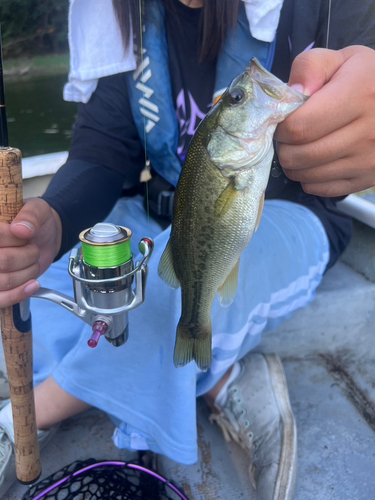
(335, 146)
(18, 294)
(349, 167)
(347, 142)
(336, 104)
(15, 259)
(30, 218)
(342, 187)
(317, 175)
(8, 281)
(8, 239)
(312, 69)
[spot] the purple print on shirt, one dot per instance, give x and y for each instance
(189, 116)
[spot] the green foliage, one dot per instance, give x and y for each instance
(31, 27)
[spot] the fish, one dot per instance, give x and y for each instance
(218, 202)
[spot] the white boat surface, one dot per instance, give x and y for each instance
(37, 172)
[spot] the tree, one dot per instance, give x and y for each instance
(33, 27)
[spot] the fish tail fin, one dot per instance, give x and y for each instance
(198, 348)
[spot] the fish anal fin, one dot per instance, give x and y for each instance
(228, 289)
(166, 270)
(260, 211)
(225, 200)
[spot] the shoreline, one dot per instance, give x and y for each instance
(36, 66)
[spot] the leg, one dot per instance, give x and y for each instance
(130, 382)
(53, 404)
(212, 394)
(281, 269)
(279, 273)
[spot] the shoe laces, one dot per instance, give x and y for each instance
(230, 422)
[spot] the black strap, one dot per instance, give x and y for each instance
(160, 195)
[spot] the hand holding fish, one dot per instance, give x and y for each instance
(328, 144)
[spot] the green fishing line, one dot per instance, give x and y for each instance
(107, 255)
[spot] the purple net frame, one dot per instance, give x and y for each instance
(110, 463)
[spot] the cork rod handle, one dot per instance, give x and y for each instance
(17, 337)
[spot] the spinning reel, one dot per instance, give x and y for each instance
(103, 274)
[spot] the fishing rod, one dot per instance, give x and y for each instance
(16, 320)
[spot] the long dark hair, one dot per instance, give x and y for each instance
(217, 17)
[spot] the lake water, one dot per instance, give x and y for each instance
(39, 120)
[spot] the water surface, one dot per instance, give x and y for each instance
(39, 120)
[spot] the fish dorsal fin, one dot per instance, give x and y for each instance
(166, 270)
(260, 211)
(228, 289)
(225, 200)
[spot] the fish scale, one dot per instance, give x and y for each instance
(218, 202)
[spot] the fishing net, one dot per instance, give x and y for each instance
(93, 480)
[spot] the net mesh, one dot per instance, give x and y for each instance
(85, 480)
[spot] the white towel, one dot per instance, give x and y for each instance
(263, 17)
(96, 48)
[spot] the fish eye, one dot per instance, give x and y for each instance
(237, 95)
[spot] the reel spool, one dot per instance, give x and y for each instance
(103, 275)
(106, 246)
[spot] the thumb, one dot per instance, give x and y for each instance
(311, 70)
(30, 218)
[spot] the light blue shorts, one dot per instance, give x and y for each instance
(152, 402)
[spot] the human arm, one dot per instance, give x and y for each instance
(104, 155)
(46, 228)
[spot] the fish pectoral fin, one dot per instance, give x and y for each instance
(228, 289)
(225, 200)
(166, 270)
(260, 211)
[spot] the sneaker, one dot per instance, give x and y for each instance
(257, 415)
(7, 462)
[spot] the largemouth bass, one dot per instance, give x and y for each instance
(218, 202)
